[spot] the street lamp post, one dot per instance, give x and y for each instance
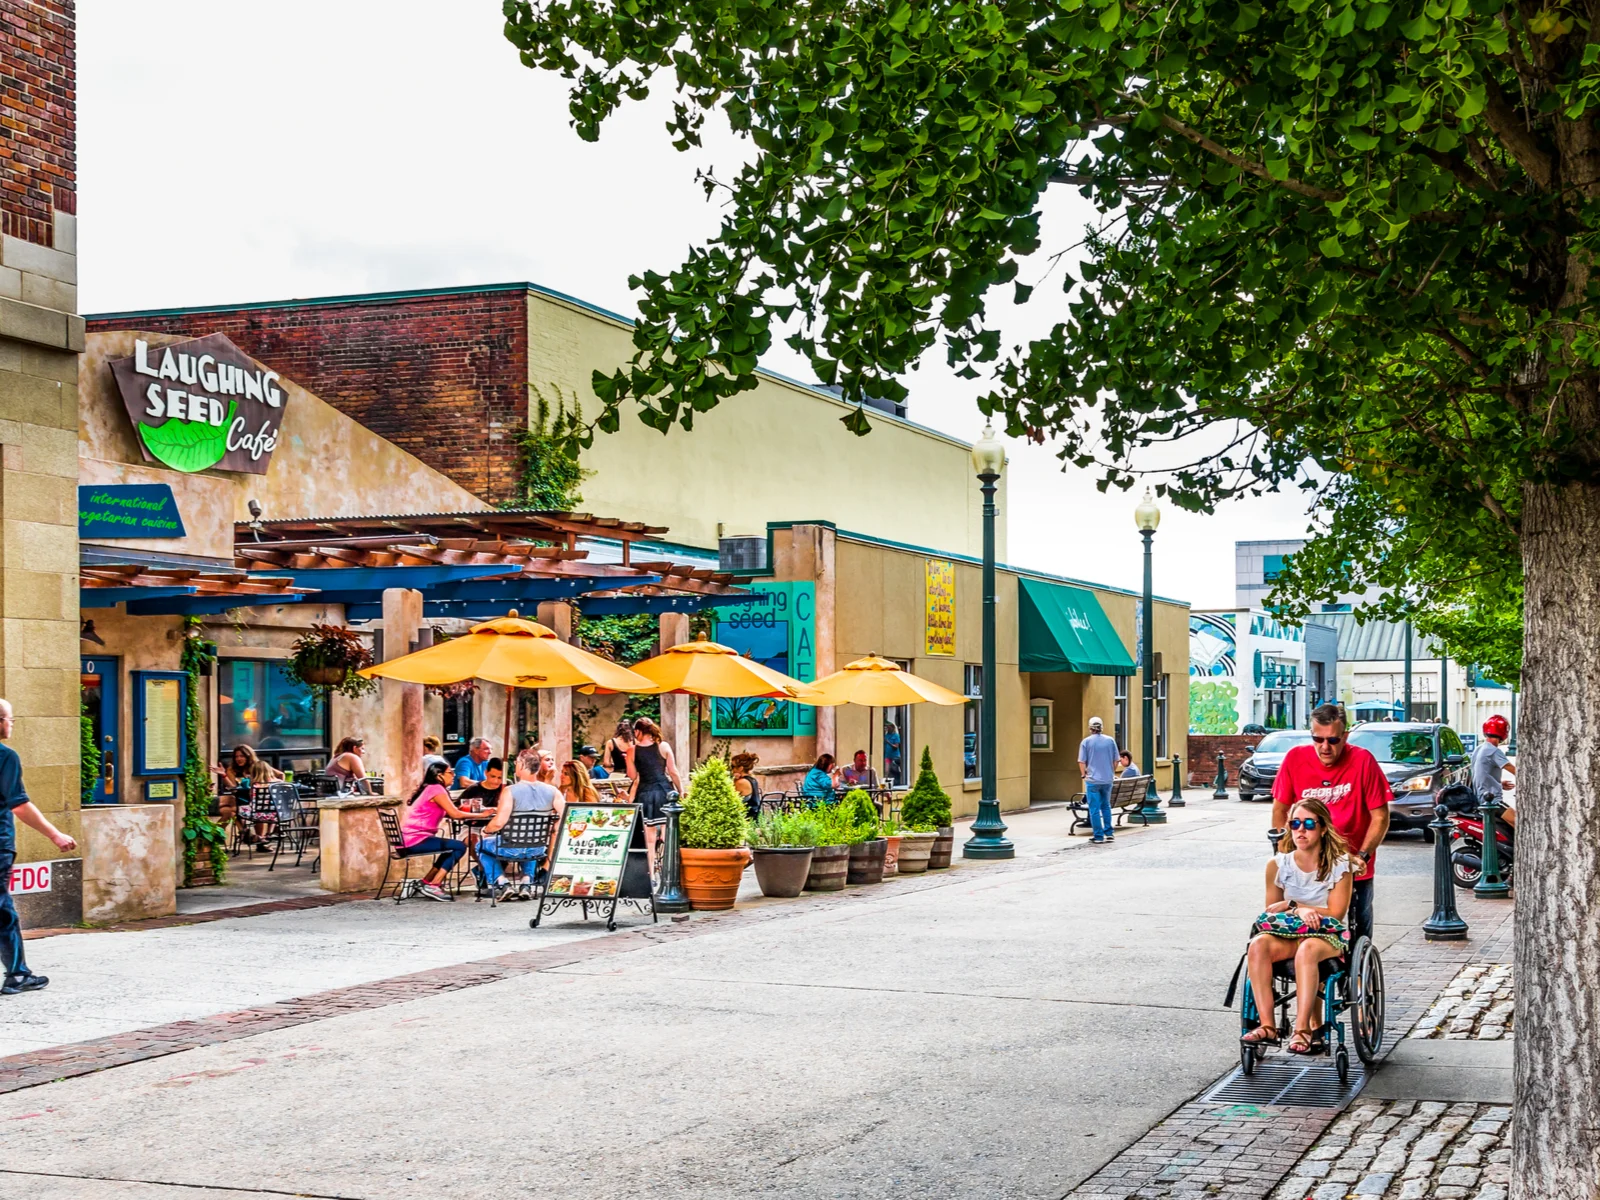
(1147, 517)
(988, 838)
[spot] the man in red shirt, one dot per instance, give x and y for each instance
(1349, 781)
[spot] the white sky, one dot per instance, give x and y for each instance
(257, 152)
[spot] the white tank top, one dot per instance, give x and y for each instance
(1304, 886)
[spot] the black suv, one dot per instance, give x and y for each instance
(1420, 759)
(1258, 771)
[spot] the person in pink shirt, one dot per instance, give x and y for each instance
(419, 827)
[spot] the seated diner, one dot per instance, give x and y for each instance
(527, 794)
(818, 782)
(347, 766)
(486, 791)
(420, 817)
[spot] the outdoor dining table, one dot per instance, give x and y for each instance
(461, 828)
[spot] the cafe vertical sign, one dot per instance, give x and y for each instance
(201, 404)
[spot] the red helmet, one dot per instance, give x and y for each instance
(1496, 726)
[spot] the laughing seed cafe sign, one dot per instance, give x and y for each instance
(200, 404)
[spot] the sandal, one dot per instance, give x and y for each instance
(1302, 1039)
(1261, 1035)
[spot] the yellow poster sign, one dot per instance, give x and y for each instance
(940, 623)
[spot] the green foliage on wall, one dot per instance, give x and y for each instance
(88, 757)
(549, 474)
(199, 829)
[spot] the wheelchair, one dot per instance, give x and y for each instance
(1352, 985)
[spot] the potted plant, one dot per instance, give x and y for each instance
(830, 860)
(927, 807)
(712, 833)
(891, 851)
(781, 844)
(327, 657)
(916, 845)
(867, 847)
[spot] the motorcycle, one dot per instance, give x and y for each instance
(1466, 846)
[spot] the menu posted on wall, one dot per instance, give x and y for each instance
(163, 725)
(591, 848)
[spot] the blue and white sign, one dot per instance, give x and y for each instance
(128, 510)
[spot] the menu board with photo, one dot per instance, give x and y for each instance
(591, 850)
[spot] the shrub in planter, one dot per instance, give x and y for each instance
(926, 805)
(830, 860)
(712, 835)
(781, 845)
(858, 815)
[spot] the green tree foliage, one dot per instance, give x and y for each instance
(713, 815)
(927, 805)
(88, 757)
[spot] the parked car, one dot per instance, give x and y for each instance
(1420, 759)
(1258, 771)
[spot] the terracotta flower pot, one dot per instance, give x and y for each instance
(782, 870)
(829, 865)
(914, 851)
(711, 877)
(866, 861)
(891, 856)
(943, 847)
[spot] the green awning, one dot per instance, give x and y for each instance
(1061, 628)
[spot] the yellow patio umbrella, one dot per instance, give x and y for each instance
(875, 683)
(514, 652)
(704, 668)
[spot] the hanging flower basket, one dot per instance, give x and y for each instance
(327, 657)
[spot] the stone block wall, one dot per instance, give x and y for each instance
(1201, 768)
(40, 338)
(443, 375)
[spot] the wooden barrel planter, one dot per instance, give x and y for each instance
(944, 847)
(891, 856)
(829, 866)
(866, 861)
(782, 870)
(711, 877)
(914, 851)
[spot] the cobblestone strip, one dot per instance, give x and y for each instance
(260, 909)
(35, 1067)
(1407, 1150)
(1478, 1005)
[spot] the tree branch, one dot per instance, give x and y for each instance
(1515, 136)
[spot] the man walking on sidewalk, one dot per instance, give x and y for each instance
(14, 799)
(1097, 759)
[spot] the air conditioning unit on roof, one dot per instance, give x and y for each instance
(742, 555)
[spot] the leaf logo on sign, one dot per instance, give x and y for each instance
(189, 445)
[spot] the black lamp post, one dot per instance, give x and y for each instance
(988, 838)
(1147, 516)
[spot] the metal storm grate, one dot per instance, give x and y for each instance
(1296, 1084)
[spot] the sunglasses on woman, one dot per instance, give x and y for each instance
(1309, 824)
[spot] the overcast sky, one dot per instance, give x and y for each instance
(257, 152)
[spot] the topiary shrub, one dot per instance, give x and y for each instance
(926, 805)
(713, 814)
(858, 810)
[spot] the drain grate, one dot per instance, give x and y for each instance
(1296, 1084)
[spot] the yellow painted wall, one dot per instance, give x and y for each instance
(777, 453)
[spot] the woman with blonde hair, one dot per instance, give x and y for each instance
(576, 787)
(1308, 894)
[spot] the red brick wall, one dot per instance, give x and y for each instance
(1236, 747)
(38, 168)
(443, 376)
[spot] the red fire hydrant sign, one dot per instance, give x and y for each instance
(29, 878)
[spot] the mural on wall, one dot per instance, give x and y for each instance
(1213, 653)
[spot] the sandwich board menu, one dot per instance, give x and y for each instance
(591, 856)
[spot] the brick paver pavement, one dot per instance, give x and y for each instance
(259, 909)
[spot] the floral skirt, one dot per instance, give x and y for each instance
(1293, 927)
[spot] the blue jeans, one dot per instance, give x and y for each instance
(491, 856)
(11, 960)
(448, 849)
(1099, 808)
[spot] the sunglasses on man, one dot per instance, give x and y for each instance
(1326, 741)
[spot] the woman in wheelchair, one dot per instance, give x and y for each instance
(1308, 894)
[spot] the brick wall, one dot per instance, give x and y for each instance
(442, 376)
(1236, 747)
(37, 109)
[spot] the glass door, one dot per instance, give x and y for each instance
(896, 740)
(97, 690)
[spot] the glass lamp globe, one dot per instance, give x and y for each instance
(988, 455)
(1147, 516)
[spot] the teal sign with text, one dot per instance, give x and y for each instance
(129, 510)
(777, 627)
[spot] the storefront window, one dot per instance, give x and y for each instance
(1161, 719)
(458, 725)
(259, 706)
(1119, 715)
(896, 737)
(973, 722)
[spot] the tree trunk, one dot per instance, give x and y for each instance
(1556, 1146)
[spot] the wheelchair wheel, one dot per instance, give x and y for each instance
(1366, 999)
(1247, 1058)
(1341, 1063)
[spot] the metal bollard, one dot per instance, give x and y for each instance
(1492, 883)
(1177, 800)
(670, 896)
(1445, 925)
(1220, 792)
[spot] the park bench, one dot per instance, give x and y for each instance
(1127, 798)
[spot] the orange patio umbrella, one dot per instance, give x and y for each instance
(876, 683)
(705, 668)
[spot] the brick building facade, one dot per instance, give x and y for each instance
(40, 337)
(442, 374)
